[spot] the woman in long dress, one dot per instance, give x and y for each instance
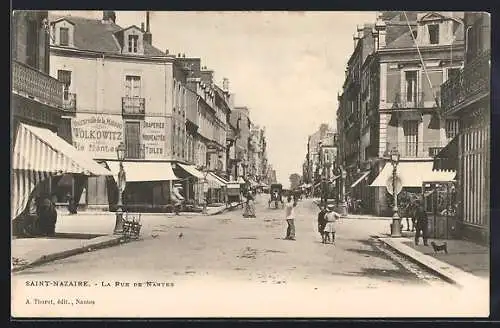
(250, 206)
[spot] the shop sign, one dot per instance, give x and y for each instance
(154, 131)
(97, 134)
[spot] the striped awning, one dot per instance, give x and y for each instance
(38, 154)
(363, 175)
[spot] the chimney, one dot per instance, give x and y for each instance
(148, 37)
(108, 16)
(142, 27)
(360, 31)
(225, 84)
(381, 29)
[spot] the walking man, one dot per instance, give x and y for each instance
(421, 223)
(290, 217)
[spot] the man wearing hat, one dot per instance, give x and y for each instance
(331, 218)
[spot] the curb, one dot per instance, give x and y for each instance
(70, 252)
(447, 272)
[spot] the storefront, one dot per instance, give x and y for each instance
(40, 154)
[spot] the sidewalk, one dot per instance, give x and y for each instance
(79, 233)
(466, 263)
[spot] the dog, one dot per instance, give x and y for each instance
(437, 248)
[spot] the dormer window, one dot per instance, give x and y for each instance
(64, 36)
(433, 33)
(133, 43)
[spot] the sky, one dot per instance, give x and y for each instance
(286, 67)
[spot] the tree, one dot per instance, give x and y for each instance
(295, 180)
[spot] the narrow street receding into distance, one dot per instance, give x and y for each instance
(238, 256)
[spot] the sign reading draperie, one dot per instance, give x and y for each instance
(97, 134)
(154, 137)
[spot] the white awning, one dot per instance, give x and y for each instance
(413, 174)
(221, 179)
(192, 170)
(144, 171)
(364, 175)
(38, 154)
(214, 182)
(241, 180)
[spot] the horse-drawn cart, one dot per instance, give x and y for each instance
(276, 195)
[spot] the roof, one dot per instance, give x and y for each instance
(405, 40)
(94, 35)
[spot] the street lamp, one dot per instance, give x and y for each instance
(120, 153)
(396, 220)
(343, 205)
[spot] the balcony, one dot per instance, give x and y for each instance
(417, 149)
(408, 100)
(69, 104)
(36, 85)
(472, 83)
(134, 151)
(134, 106)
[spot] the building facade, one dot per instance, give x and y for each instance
(122, 90)
(240, 118)
(466, 96)
(396, 102)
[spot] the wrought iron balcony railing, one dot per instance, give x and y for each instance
(473, 80)
(36, 85)
(133, 106)
(69, 104)
(134, 151)
(408, 100)
(417, 149)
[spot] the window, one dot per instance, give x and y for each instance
(65, 77)
(64, 36)
(32, 44)
(452, 128)
(133, 41)
(132, 86)
(433, 34)
(453, 73)
(411, 80)
(133, 139)
(410, 131)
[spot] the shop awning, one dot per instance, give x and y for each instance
(413, 174)
(241, 180)
(38, 154)
(192, 170)
(214, 182)
(144, 171)
(221, 179)
(363, 175)
(447, 158)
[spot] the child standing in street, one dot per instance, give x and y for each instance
(331, 218)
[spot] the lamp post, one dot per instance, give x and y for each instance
(396, 220)
(120, 152)
(343, 205)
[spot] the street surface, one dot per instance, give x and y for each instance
(229, 265)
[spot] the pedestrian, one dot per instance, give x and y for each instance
(331, 218)
(322, 224)
(47, 215)
(290, 218)
(177, 198)
(249, 206)
(421, 223)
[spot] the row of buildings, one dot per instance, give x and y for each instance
(418, 82)
(98, 85)
(321, 158)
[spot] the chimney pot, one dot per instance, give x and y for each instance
(183, 55)
(166, 51)
(142, 27)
